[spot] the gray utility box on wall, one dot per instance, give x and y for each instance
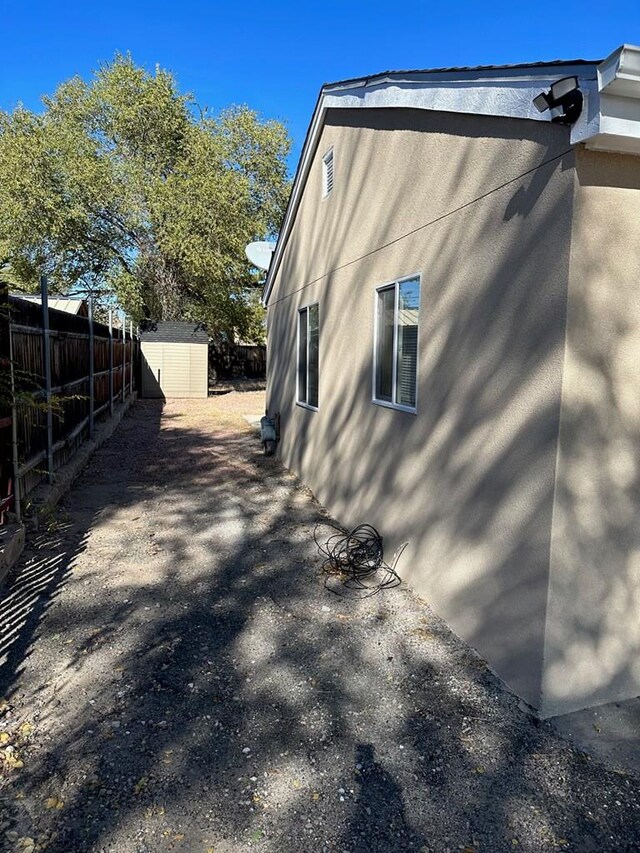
(174, 360)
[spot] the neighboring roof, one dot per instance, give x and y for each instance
(492, 90)
(70, 306)
(175, 333)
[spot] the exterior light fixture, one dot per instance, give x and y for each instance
(564, 95)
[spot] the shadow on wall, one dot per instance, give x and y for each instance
(151, 379)
(469, 481)
(593, 634)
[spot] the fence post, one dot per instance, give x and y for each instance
(15, 461)
(46, 352)
(91, 368)
(138, 369)
(111, 362)
(124, 355)
(131, 358)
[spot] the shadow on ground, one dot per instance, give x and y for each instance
(188, 683)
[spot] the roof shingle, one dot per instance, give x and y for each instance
(175, 333)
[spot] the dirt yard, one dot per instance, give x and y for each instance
(177, 678)
(238, 402)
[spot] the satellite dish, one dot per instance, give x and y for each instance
(259, 254)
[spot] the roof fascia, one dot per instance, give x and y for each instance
(478, 75)
(304, 164)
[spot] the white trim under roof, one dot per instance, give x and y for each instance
(616, 124)
(610, 118)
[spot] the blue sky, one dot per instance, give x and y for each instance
(274, 56)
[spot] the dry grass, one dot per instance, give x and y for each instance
(239, 402)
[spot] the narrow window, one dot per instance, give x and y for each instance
(303, 349)
(396, 351)
(327, 173)
(308, 356)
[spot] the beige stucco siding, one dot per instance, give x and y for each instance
(592, 650)
(468, 481)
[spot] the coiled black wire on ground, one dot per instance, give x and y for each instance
(356, 557)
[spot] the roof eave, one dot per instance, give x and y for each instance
(487, 90)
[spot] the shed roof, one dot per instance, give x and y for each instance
(175, 333)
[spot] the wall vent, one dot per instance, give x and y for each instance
(327, 173)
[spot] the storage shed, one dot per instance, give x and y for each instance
(175, 360)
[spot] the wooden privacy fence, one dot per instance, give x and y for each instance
(68, 372)
(233, 361)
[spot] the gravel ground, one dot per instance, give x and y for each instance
(176, 677)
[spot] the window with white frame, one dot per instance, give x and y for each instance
(308, 356)
(396, 346)
(327, 172)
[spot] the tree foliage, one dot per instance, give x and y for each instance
(124, 182)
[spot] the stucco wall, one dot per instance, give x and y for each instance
(467, 481)
(592, 652)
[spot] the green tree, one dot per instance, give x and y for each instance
(124, 182)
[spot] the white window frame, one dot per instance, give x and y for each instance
(302, 403)
(328, 156)
(412, 410)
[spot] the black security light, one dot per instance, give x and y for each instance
(541, 102)
(565, 95)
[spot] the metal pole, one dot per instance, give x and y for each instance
(14, 432)
(124, 355)
(138, 372)
(91, 368)
(110, 362)
(131, 358)
(46, 355)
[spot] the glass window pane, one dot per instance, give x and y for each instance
(407, 363)
(302, 356)
(312, 395)
(384, 361)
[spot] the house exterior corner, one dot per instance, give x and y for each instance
(592, 643)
